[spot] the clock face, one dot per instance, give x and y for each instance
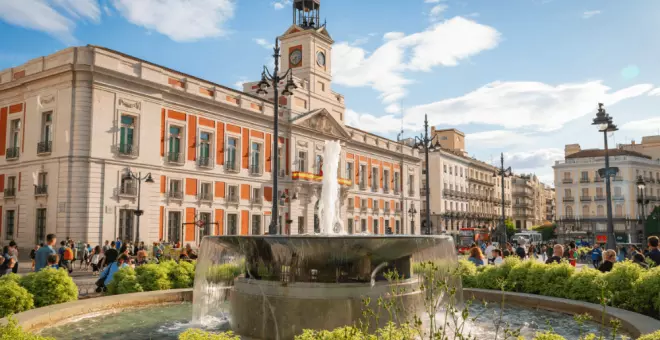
(296, 57)
(320, 58)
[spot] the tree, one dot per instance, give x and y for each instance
(510, 228)
(652, 225)
(547, 231)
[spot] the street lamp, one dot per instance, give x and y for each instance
(643, 202)
(503, 173)
(138, 177)
(605, 125)
(426, 143)
(262, 89)
(411, 213)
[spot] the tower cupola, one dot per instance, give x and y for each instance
(307, 14)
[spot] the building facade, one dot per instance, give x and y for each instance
(72, 124)
(581, 194)
(533, 202)
(464, 192)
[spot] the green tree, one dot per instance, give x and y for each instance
(547, 231)
(510, 228)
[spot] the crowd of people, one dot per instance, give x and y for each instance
(104, 261)
(602, 260)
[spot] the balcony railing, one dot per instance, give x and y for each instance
(600, 198)
(598, 179)
(44, 147)
(386, 189)
(396, 190)
(585, 198)
(363, 185)
(205, 196)
(386, 210)
(255, 170)
(175, 157)
(41, 190)
(257, 200)
(619, 198)
(374, 187)
(10, 192)
(584, 180)
(231, 166)
(363, 207)
(205, 162)
(232, 198)
(127, 150)
(128, 190)
(569, 199)
(12, 153)
(567, 181)
(176, 195)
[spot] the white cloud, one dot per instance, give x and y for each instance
(432, 1)
(534, 159)
(393, 108)
(281, 4)
(655, 92)
(263, 43)
(37, 15)
(442, 44)
(239, 83)
(495, 139)
(366, 122)
(589, 14)
(80, 9)
(437, 11)
(643, 126)
(514, 105)
(181, 20)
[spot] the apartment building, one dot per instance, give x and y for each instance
(74, 123)
(581, 194)
(533, 202)
(464, 192)
(550, 203)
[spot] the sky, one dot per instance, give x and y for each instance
(522, 77)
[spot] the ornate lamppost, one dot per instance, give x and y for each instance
(605, 125)
(503, 173)
(643, 202)
(129, 175)
(266, 80)
(411, 214)
(426, 143)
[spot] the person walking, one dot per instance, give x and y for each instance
(106, 246)
(520, 250)
(610, 257)
(654, 252)
(13, 252)
(623, 254)
(557, 254)
(33, 254)
(572, 254)
(41, 256)
(476, 257)
(110, 255)
(97, 259)
(596, 255)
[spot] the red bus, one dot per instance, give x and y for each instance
(467, 236)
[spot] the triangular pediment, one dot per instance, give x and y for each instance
(293, 29)
(323, 31)
(321, 121)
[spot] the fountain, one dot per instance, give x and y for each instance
(274, 286)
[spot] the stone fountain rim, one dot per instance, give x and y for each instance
(324, 236)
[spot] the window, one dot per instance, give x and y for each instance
(42, 184)
(386, 180)
(396, 182)
(444, 167)
(617, 192)
(126, 135)
(302, 161)
(301, 225)
(206, 192)
(618, 211)
(363, 225)
(173, 226)
(232, 154)
(45, 144)
(256, 195)
(411, 184)
(255, 158)
(567, 175)
(175, 189)
(14, 139)
(600, 211)
(127, 187)
(584, 176)
(569, 211)
(599, 192)
(567, 193)
(9, 221)
(397, 229)
(206, 228)
(205, 149)
(174, 145)
(363, 176)
(450, 171)
(10, 190)
(125, 231)
(376, 226)
(363, 204)
(349, 226)
(232, 224)
(387, 227)
(318, 165)
(280, 160)
(374, 179)
(256, 225)
(351, 203)
(40, 227)
(585, 210)
(232, 193)
(585, 192)
(349, 171)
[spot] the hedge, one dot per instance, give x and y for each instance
(12, 331)
(627, 286)
(50, 286)
(14, 299)
(150, 277)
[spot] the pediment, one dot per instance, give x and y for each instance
(323, 31)
(292, 29)
(320, 120)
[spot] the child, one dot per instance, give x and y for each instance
(53, 259)
(497, 257)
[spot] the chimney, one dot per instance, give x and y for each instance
(570, 149)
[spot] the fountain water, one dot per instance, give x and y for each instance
(329, 206)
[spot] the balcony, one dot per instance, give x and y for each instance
(363, 207)
(618, 178)
(257, 200)
(175, 195)
(600, 198)
(281, 173)
(363, 185)
(396, 190)
(205, 162)
(584, 180)
(256, 170)
(386, 189)
(422, 191)
(386, 210)
(41, 190)
(12, 153)
(127, 150)
(205, 197)
(598, 179)
(651, 198)
(233, 198)
(231, 166)
(44, 148)
(567, 181)
(585, 198)
(10, 192)
(374, 188)
(619, 198)
(128, 191)
(175, 157)
(569, 199)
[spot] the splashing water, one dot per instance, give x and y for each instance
(329, 206)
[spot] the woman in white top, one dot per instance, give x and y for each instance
(497, 257)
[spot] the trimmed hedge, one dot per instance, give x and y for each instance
(198, 334)
(150, 277)
(153, 277)
(50, 286)
(12, 331)
(14, 298)
(124, 281)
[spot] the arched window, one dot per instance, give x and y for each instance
(617, 191)
(619, 210)
(585, 210)
(600, 211)
(569, 210)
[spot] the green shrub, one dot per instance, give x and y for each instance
(555, 279)
(12, 331)
(490, 278)
(620, 282)
(342, 333)
(198, 334)
(585, 285)
(508, 264)
(534, 280)
(10, 277)
(50, 286)
(651, 336)
(181, 274)
(223, 273)
(14, 299)
(548, 336)
(152, 277)
(467, 270)
(646, 293)
(517, 276)
(124, 281)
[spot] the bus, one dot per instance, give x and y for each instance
(467, 236)
(527, 237)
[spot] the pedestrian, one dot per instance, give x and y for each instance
(106, 246)
(110, 255)
(8, 267)
(118, 243)
(596, 255)
(476, 257)
(654, 253)
(67, 259)
(13, 252)
(33, 254)
(52, 261)
(85, 256)
(191, 253)
(639, 259)
(141, 258)
(544, 253)
(489, 252)
(97, 258)
(623, 254)
(520, 250)
(610, 257)
(497, 257)
(572, 254)
(41, 257)
(108, 273)
(557, 254)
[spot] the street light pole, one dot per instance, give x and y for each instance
(411, 213)
(138, 212)
(642, 201)
(426, 143)
(503, 173)
(605, 125)
(262, 87)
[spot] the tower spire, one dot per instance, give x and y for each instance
(307, 13)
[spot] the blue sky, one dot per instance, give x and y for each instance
(517, 76)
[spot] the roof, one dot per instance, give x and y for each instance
(601, 153)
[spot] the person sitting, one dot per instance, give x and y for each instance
(557, 254)
(52, 261)
(497, 257)
(191, 253)
(108, 273)
(141, 258)
(476, 257)
(610, 257)
(7, 267)
(639, 259)
(183, 256)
